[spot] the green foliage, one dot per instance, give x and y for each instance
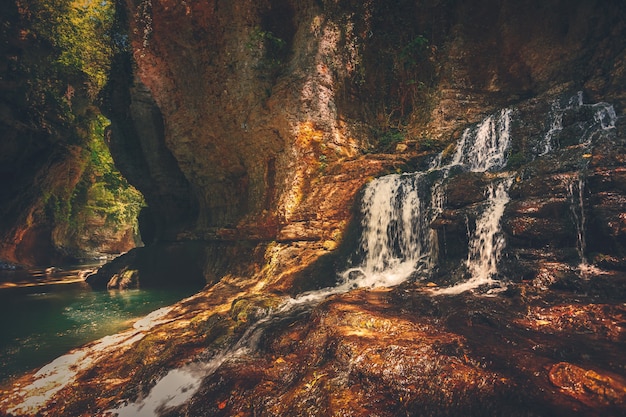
(85, 41)
(390, 138)
(260, 38)
(413, 51)
(79, 33)
(269, 46)
(427, 144)
(64, 66)
(103, 190)
(413, 73)
(323, 163)
(398, 64)
(58, 74)
(516, 160)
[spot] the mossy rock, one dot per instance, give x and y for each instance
(125, 279)
(249, 309)
(215, 328)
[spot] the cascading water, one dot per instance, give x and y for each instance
(487, 241)
(437, 203)
(397, 240)
(484, 148)
(605, 115)
(603, 119)
(575, 190)
(179, 385)
(556, 122)
(593, 120)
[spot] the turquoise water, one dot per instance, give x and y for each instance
(44, 317)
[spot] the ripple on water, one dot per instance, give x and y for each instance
(40, 323)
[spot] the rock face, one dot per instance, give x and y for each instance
(47, 120)
(561, 216)
(250, 121)
(362, 353)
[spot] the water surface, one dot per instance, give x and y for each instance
(44, 315)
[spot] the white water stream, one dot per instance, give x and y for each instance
(484, 148)
(603, 119)
(396, 237)
(577, 208)
(486, 243)
(179, 385)
(556, 121)
(397, 240)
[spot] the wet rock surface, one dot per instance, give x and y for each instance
(373, 352)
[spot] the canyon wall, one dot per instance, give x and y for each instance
(60, 197)
(259, 122)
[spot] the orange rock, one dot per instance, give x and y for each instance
(587, 385)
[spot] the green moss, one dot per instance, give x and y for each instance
(390, 138)
(103, 191)
(323, 163)
(216, 328)
(249, 309)
(427, 144)
(66, 67)
(271, 49)
(80, 32)
(516, 160)
(413, 51)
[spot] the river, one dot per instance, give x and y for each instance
(44, 314)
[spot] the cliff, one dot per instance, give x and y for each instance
(61, 197)
(260, 121)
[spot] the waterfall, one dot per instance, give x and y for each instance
(575, 190)
(604, 115)
(556, 122)
(484, 147)
(397, 241)
(396, 238)
(588, 123)
(604, 119)
(437, 203)
(487, 242)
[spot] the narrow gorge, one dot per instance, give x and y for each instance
(415, 208)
